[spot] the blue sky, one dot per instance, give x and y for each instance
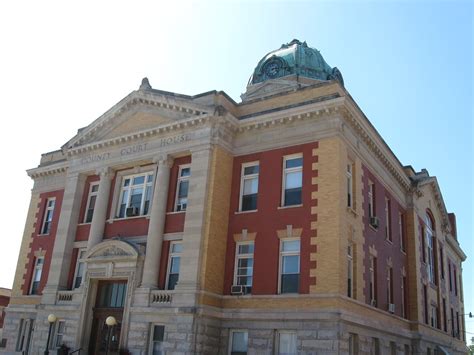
(408, 64)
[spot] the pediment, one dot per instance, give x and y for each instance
(138, 112)
(111, 249)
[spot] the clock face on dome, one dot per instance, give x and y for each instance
(272, 68)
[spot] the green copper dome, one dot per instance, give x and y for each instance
(294, 58)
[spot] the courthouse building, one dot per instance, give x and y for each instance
(283, 224)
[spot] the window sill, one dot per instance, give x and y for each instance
(291, 206)
(175, 212)
(244, 212)
(352, 211)
(84, 224)
(43, 235)
(389, 241)
(375, 229)
(127, 218)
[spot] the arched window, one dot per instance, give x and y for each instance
(429, 242)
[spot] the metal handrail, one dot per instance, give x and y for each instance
(76, 351)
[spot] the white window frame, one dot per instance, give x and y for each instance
(170, 257)
(430, 246)
(38, 266)
(350, 185)
(291, 170)
(231, 338)
(401, 231)
(152, 333)
(373, 289)
(242, 256)
(79, 261)
(89, 196)
(290, 332)
(371, 199)
(178, 182)
(244, 177)
(388, 224)
(145, 185)
(48, 216)
(350, 270)
(280, 263)
(25, 332)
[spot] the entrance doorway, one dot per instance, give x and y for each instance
(109, 302)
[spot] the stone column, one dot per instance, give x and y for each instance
(194, 227)
(156, 226)
(96, 232)
(65, 235)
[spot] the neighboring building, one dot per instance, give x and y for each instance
(283, 224)
(5, 294)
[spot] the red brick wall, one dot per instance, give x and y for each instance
(44, 242)
(385, 249)
(268, 219)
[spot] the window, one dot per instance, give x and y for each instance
(249, 187)
(80, 266)
(353, 344)
(292, 180)
(174, 265)
(286, 343)
(441, 259)
(445, 321)
(135, 195)
(239, 342)
(111, 295)
(453, 330)
(455, 278)
(401, 231)
(434, 316)
(35, 281)
(425, 301)
(350, 186)
(91, 200)
(375, 347)
(390, 285)
(48, 216)
(243, 270)
(423, 246)
(24, 335)
(450, 277)
(458, 333)
(404, 296)
(407, 349)
(157, 339)
(181, 200)
(371, 199)
(289, 266)
(350, 268)
(388, 221)
(57, 338)
(372, 281)
(430, 254)
(393, 348)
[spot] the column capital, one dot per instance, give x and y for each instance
(163, 160)
(105, 172)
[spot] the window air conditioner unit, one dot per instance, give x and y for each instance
(374, 222)
(373, 303)
(132, 211)
(237, 290)
(181, 207)
(391, 307)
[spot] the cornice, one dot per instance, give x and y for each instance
(301, 113)
(454, 244)
(50, 170)
(385, 156)
(137, 98)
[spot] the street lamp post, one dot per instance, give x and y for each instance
(51, 320)
(110, 322)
